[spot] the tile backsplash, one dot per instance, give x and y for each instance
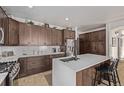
(19, 50)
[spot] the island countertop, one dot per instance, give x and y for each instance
(84, 61)
(76, 72)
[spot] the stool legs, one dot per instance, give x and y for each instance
(114, 75)
(108, 77)
(118, 77)
(114, 78)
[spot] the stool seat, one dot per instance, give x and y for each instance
(104, 69)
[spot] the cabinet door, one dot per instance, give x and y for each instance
(13, 32)
(101, 35)
(59, 37)
(66, 34)
(35, 30)
(101, 48)
(94, 47)
(54, 37)
(49, 36)
(82, 37)
(22, 37)
(94, 36)
(35, 62)
(24, 34)
(81, 46)
(44, 35)
(38, 64)
(23, 67)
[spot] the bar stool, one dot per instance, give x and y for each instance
(108, 73)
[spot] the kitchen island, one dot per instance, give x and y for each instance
(76, 72)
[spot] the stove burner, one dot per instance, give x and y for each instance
(6, 67)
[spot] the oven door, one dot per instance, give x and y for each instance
(1, 36)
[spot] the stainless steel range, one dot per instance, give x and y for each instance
(12, 68)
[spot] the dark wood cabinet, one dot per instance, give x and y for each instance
(48, 36)
(36, 64)
(59, 38)
(23, 67)
(24, 34)
(33, 65)
(13, 33)
(93, 42)
(35, 30)
(17, 33)
(85, 77)
(68, 34)
(56, 37)
(37, 35)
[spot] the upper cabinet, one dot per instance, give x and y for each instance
(24, 34)
(37, 35)
(17, 33)
(13, 32)
(56, 37)
(68, 34)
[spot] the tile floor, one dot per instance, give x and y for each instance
(45, 79)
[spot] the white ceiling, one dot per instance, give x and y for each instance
(82, 16)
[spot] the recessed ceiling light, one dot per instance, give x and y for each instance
(66, 19)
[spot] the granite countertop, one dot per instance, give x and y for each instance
(15, 58)
(84, 61)
(43, 54)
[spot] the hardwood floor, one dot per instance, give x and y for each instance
(45, 79)
(121, 72)
(40, 79)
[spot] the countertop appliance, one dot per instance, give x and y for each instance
(1, 35)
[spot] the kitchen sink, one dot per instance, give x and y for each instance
(69, 59)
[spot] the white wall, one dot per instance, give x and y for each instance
(111, 28)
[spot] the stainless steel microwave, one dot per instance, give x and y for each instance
(1, 35)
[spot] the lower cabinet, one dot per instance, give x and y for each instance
(85, 77)
(37, 64)
(23, 67)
